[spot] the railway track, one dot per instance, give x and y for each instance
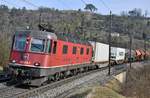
(9, 91)
(4, 77)
(90, 83)
(15, 91)
(2, 85)
(102, 81)
(54, 87)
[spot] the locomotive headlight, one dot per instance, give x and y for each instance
(13, 61)
(36, 64)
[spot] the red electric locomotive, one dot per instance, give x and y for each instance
(41, 55)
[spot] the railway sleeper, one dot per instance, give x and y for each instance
(38, 81)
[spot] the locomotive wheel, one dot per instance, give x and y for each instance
(79, 70)
(44, 83)
(89, 67)
(71, 73)
(75, 72)
(67, 74)
(95, 67)
(85, 69)
(57, 77)
(62, 75)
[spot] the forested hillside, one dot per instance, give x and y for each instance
(83, 24)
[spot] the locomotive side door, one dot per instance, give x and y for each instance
(78, 55)
(54, 59)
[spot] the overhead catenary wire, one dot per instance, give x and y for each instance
(10, 3)
(105, 5)
(40, 15)
(64, 4)
(109, 37)
(83, 2)
(31, 4)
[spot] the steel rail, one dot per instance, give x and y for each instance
(15, 92)
(57, 84)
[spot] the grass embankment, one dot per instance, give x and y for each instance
(138, 83)
(103, 92)
(111, 90)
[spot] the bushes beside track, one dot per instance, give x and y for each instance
(138, 83)
(4, 51)
(110, 90)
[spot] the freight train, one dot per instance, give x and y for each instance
(40, 56)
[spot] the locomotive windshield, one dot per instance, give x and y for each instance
(20, 43)
(37, 45)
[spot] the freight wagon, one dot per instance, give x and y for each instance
(117, 55)
(100, 53)
(127, 55)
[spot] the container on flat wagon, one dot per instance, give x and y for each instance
(117, 53)
(100, 52)
(127, 55)
(142, 54)
(138, 55)
(148, 54)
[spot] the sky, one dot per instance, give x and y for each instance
(104, 6)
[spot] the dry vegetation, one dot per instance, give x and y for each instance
(4, 50)
(103, 92)
(111, 90)
(138, 83)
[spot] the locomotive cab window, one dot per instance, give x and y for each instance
(81, 51)
(65, 49)
(19, 43)
(37, 45)
(74, 50)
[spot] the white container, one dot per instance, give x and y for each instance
(100, 52)
(117, 54)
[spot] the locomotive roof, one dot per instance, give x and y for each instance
(37, 34)
(55, 36)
